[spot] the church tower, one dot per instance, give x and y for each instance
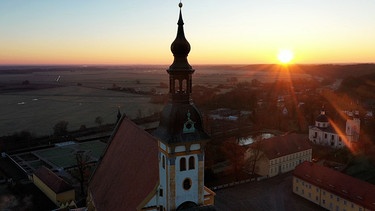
(180, 134)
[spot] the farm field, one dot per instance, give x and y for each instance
(38, 111)
(79, 95)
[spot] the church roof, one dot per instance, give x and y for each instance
(279, 146)
(54, 182)
(322, 118)
(328, 129)
(128, 171)
(355, 190)
(173, 121)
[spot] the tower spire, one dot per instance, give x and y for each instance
(180, 47)
(180, 120)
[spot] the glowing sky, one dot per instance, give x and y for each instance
(220, 31)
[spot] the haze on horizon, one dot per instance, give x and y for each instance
(220, 32)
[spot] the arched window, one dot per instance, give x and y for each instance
(163, 160)
(176, 86)
(184, 86)
(182, 164)
(191, 163)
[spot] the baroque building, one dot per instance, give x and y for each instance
(327, 133)
(163, 170)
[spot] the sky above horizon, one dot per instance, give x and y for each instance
(219, 32)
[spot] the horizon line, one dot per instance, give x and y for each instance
(216, 64)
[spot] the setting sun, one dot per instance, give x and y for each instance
(285, 56)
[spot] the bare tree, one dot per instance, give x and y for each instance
(61, 128)
(82, 172)
(235, 154)
(255, 150)
(99, 120)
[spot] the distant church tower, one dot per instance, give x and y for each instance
(181, 137)
(353, 126)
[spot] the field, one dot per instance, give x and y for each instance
(80, 95)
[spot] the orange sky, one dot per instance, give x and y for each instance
(220, 32)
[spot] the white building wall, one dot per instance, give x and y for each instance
(191, 194)
(288, 163)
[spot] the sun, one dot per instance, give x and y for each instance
(285, 56)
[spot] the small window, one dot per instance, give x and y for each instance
(191, 163)
(161, 192)
(187, 184)
(163, 161)
(182, 164)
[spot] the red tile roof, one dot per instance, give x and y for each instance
(128, 171)
(54, 182)
(279, 146)
(350, 188)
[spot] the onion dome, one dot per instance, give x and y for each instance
(322, 117)
(180, 48)
(322, 120)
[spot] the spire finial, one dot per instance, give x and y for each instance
(180, 47)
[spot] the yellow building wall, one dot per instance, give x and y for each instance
(322, 197)
(201, 182)
(66, 196)
(262, 166)
(45, 189)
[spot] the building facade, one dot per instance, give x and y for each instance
(331, 189)
(278, 154)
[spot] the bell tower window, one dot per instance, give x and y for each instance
(184, 86)
(183, 164)
(191, 163)
(176, 86)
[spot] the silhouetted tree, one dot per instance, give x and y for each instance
(61, 128)
(235, 154)
(99, 120)
(254, 151)
(82, 172)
